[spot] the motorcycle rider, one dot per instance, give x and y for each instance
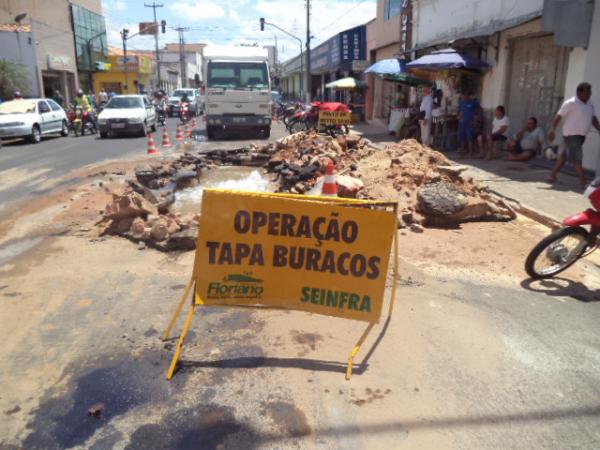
(83, 102)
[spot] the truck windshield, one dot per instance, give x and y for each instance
(237, 75)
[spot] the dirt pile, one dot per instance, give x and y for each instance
(429, 188)
(299, 160)
(140, 211)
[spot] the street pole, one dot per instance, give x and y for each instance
(124, 37)
(154, 5)
(90, 78)
(263, 23)
(308, 80)
(182, 68)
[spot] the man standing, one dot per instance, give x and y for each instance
(579, 117)
(58, 98)
(425, 112)
(467, 107)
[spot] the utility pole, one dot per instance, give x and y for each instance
(124, 34)
(154, 5)
(182, 68)
(308, 78)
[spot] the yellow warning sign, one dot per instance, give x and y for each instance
(335, 118)
(317, 254)
(293, 253)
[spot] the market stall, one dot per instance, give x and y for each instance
(352, 94)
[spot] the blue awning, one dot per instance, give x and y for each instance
(388, 67)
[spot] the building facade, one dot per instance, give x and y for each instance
(56, 34)
(538, 51)
(191, 69)
(18, 46)
(131, 78)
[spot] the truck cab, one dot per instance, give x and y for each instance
(238, 91)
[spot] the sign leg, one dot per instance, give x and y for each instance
(184, 332)
(186, 292)
(356, 349)
(395, 266)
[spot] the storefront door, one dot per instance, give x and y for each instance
(537, 80)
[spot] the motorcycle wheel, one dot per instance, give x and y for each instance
(556, 252)
(296, 126)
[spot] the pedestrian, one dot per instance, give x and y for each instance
(58, 98)
(499, 131)
(102, 97)
(467, 107)
(425, 111)
(17, 95)
(527, 142)
(579, 115)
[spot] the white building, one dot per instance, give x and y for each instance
(538, 52)
(192, 67)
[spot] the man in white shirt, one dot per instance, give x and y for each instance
(527, 143)
(500, 126)
(426, 110)
(579, 115)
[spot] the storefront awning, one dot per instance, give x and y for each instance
(345, 83)
(407, 79)
(388, 66)
(447, 59)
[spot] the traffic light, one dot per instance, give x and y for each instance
(262, 24)
(163, 26)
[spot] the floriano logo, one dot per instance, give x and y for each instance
(236, 286)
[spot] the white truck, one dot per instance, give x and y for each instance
(238, 90)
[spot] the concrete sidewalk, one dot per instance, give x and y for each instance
(524, 183)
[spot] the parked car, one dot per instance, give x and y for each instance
(175, 100)
(127, 114)
(32, 118)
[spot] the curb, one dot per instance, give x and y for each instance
(530, 212)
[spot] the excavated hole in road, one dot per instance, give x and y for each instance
(189, 200)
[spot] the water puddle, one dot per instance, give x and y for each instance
(229, 177)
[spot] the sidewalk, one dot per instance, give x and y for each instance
(524, 183)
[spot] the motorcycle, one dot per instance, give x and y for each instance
(161, 113)
(184, 112)
(308, 119)
(563, 247)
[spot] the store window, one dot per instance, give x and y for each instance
(90, 38)
(392, 8)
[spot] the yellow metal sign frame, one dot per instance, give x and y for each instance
(389, 206)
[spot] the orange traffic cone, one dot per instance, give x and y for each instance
(329, 184)
(188, 132)
(179, 135)
(166, 143)
(152, 150)
(194, 124)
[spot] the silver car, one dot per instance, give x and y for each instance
(174, 101)
(32, 118)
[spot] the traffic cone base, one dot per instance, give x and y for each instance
(152, 150)
(329, 183)
(166, 143)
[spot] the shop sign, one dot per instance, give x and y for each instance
(360, 65)
(405, 18)
(353, 44)
(145, 64)
(335, 118)
(60, 62)
(347, 46)
(132, 64)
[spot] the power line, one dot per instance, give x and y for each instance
(341, 16)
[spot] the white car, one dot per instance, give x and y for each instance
(127, 114)
(32, 118)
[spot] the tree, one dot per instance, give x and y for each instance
(13, 77)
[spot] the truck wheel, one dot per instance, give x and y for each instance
(267, 132)
(210, 132)
(103, 135)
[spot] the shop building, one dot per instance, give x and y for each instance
(52, 27)
(293, 77)
(19, 47)
(537, 52)
(388, 35)
(130, 78)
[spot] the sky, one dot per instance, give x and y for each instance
(234, 22)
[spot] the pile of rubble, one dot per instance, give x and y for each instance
(299, 160)
(429, 188)
(140, 211)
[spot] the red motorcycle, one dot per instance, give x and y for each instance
(184, 112)
(80, 121)
(565, 246)
(308, 118)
